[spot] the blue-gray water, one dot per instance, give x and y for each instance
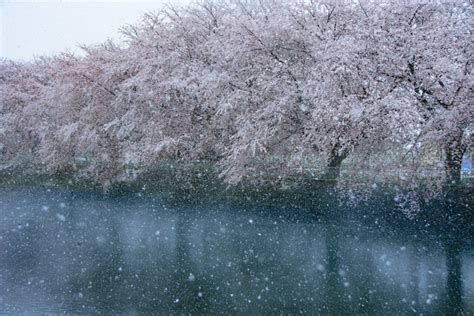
(82, 253)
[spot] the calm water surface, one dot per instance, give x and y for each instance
(82, 253)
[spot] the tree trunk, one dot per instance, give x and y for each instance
(454, 151)
(334, 166)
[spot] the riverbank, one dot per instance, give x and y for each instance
(201, 181)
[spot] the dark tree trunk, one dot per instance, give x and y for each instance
(454, 151)
(334, 165)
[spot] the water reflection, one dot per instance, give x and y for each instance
(454, 291)
(76, 252)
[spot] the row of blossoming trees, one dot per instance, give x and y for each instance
(319, 87)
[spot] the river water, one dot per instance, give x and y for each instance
(72, 252)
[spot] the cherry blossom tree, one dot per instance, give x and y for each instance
(353, 92)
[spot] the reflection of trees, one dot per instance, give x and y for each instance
(334, 287)
(164, 284)
(454, 290)
(184, 293)
(333, 262)
(104, 284)
(192, 291)
(368, 293)
(261, 270)
(454, 207)
(20, 250)
(414, 272)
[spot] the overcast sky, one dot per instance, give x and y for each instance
(45, 27)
